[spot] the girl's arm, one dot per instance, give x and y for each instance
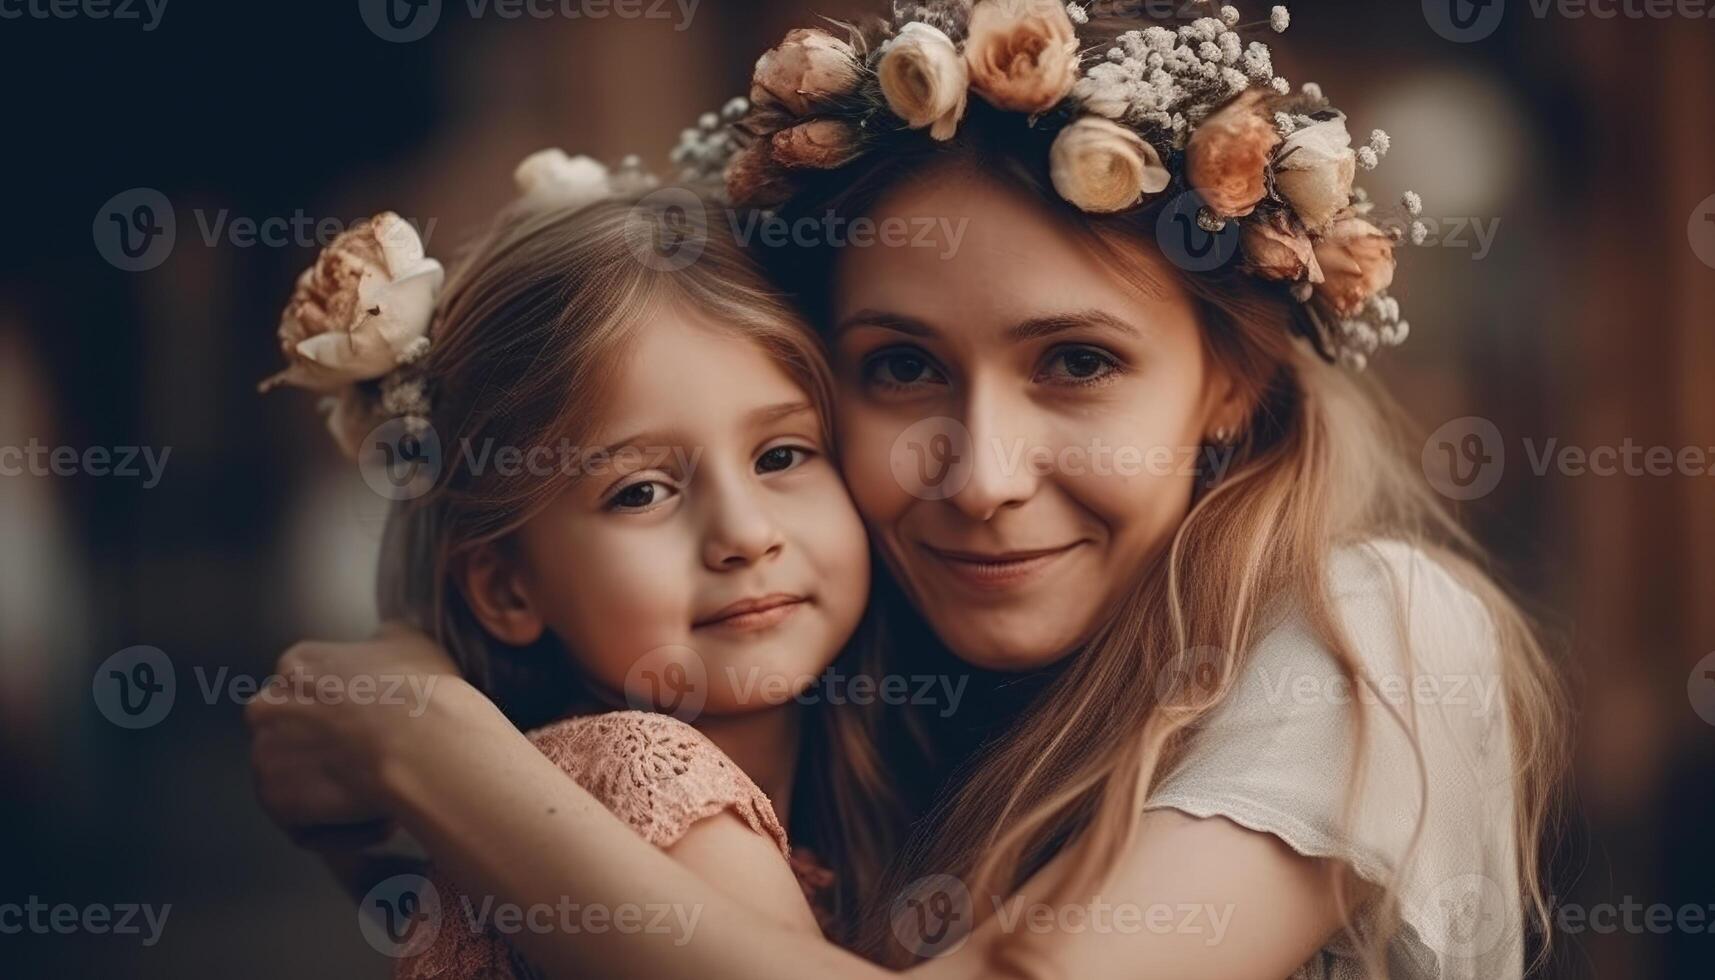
(1191, 898)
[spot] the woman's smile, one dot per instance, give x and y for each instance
(999, 571)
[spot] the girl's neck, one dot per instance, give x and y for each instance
(764, 744)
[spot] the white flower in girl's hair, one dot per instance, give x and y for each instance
(361, 310)
(551, 177)
(924, 79)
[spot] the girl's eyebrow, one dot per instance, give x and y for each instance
(782, 410)
(755, 418)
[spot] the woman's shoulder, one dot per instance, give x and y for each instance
(1405, 611)
(656, 772)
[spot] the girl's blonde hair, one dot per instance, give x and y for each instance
(1319, 466)
(532, 327)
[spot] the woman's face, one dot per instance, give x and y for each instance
(1020, 427)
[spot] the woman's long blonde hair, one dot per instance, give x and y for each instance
(1320, 465)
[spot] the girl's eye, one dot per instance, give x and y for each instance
(901, 368)
(1079, 366)
(781, 458)
(639, 496)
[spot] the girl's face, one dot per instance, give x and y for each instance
(1019, 427)
(711, 540)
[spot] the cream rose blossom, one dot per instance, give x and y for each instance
(1103, 167)
(1357, 262)
(1022, 54)
(924, 80)
(550, 176)
(1226, 158)
(361, 309)
(1314, 172)
(807, 70)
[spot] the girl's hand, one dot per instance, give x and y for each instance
(332, 720)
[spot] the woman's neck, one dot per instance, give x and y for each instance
(764, 744)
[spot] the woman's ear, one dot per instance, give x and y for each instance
(1227, 407)
(494, 587)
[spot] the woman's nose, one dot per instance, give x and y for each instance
(1002, 469)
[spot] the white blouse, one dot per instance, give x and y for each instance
(1277, 757)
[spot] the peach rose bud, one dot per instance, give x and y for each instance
(1357, 262)
(808, 70)
(1275, 249)
(1022, 54)
(361, 310)
(1102, 167)
(1226, 158)
(1314, 172)
(924, 79)
(822, 144)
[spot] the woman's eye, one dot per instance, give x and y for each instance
(1079, 365)
(639, 496)
(900, 369)
(781, 458)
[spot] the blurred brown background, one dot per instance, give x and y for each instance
(1568, 294)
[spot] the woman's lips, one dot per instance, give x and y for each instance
(753, 615)
(996, 571)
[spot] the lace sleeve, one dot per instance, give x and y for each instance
(655, 772)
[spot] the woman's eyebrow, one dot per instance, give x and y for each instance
(899, 322)
(1038, 327)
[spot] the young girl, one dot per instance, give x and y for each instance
(638, 508)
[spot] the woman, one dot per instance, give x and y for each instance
(1246, 649)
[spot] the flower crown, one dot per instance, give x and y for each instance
(361, 319)
(1192, 106)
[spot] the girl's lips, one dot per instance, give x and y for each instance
(998, 571)
(752, 615)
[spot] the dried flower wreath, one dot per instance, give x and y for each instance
(1189, 106)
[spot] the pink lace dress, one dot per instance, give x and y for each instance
(653, 771)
